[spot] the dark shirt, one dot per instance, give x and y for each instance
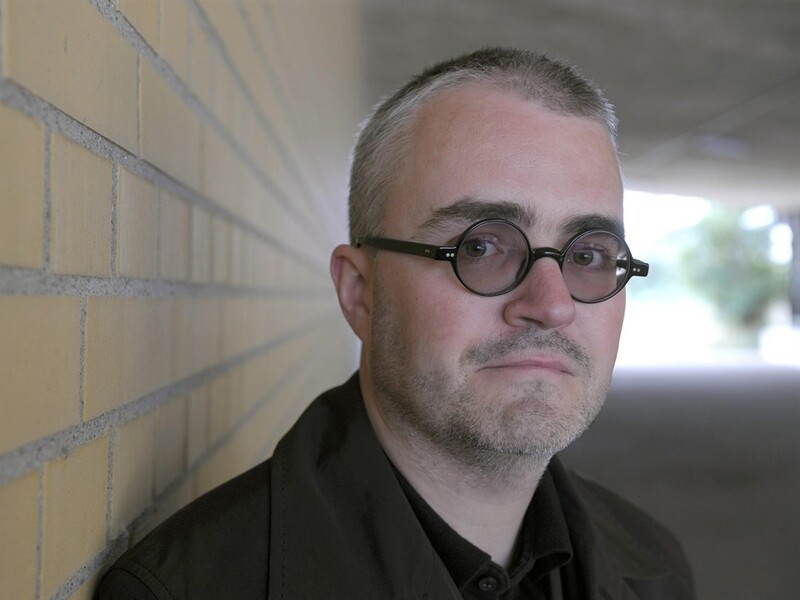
(542, 560)
(327, 518)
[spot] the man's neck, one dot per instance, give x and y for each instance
(484, 499)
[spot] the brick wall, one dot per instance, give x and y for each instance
(172, 179)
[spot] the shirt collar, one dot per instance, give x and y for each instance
(544, 542)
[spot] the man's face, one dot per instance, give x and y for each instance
(521, 373)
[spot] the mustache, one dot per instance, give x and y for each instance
(529, 340)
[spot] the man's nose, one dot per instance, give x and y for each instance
(541, 299)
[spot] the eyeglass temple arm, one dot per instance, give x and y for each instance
(415, 248)
(639, 268)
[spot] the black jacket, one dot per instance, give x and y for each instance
(326, 518)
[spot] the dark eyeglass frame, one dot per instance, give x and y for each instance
(634, 267)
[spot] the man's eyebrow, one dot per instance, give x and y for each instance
(469, 210)
(577, 224)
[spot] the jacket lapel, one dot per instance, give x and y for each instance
(341, 526)
(626, 555)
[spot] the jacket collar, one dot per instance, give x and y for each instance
(341, 526)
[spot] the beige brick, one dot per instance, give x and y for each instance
(171, 426)
(22, 182)
(218, 422)
(137, 227)
(175, 36)
(201, 246)
(74, 512)
(256, 379)
(235, 331)
(231, 29)
(18, 526)
(234, 403)
(81, 210)
(257, 209)
(170, 131)
(235, 256)
(263, 21)
(246, 259)
(229, 105)
(200, 63)
(198, 423)
(221, 467)
(68, 54)
(178, 498)
(39, 367)
(143, 15)
(220, 244)
(174, 235)
(133, 472)
(251, 444)
(222, 173)
(262, 147)
(128, 350)
(197, 335)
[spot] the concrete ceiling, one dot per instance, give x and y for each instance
(707, 91)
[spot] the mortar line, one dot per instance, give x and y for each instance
(129, 33)
(109, 553)
(35, 454)
(46, 201)
(82, 362)
(190, 49)
(110, 483)
(158, 233)
(55, 119)
(283, 149)
(20, 281)
(288, 417)
(2, 38)
(285, 378)
(187, 418)
(39, 536)
(139, 104)
(114, 217)
(114, 547)
(288, 107)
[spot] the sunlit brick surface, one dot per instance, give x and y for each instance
(169, 198)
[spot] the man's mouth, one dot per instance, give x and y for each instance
(549, 363)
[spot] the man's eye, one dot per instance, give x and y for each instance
(589, 257)
(584, 258)
(479, 247)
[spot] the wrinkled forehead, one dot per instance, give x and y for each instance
(493, 147)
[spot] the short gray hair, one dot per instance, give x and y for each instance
(382, 141)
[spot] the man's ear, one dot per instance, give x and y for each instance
(351, 271)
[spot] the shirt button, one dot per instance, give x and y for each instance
(488, 584)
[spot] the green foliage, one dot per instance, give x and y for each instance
(731, 267)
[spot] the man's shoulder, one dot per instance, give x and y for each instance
(646, 552)
(181, 557)
(624, 522)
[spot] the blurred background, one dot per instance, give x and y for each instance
(173, 176)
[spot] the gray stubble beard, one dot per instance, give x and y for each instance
(533, 425)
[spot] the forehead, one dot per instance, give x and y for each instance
(491, 146)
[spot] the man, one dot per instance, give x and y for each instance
(431, 473)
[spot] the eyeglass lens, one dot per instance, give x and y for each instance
(495, 256)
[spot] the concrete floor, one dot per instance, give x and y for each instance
(714, 453)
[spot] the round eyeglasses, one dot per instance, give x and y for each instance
(493, 256)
